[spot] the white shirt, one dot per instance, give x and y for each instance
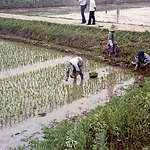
(92, 5)
(82, 2)
(75, 61)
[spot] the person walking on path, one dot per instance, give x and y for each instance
(142, 58)
(112, 42)
(83, 5)
(92, 12)
(75, 64)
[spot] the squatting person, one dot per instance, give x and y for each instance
(75, 64)
(142, 57)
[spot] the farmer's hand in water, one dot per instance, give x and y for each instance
(66, 78)
(136, 67)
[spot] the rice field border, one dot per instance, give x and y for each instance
(25, 95)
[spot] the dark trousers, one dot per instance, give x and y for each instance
(77, 72)
(112, 50)
(91, 17)
(82, 13)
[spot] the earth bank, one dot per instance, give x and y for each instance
(93, 44)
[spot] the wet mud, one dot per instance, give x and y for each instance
(32, 128)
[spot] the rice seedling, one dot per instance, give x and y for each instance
(16, 55)
(25, 95)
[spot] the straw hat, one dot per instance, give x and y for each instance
(113, 28)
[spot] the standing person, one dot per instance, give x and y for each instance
(112, 42)
(142, 58)
(75, 64)
(92, 12)
(83, 5)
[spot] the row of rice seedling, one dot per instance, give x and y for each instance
(16, 54)
(23, 96)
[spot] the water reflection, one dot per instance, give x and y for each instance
(75, 91)
(108, 14)
(111, 80)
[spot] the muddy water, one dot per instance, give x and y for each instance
(134, 13)
(27, 91)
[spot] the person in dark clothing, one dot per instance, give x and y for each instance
(112, 41)
(83, 5)
(142, 58)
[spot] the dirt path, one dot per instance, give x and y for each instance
(102, 25)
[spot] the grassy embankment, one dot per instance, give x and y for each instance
(124, 122)
(88, 41)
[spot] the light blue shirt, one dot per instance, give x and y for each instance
(146, 59)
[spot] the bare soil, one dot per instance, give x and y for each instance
(103, 25)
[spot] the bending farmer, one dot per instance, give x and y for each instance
(142, 58)
(75, 64)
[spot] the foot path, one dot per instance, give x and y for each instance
(102, 25)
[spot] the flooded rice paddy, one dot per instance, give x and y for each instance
(126, 13)
(32, 81)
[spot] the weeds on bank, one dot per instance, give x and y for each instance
(121, 124)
